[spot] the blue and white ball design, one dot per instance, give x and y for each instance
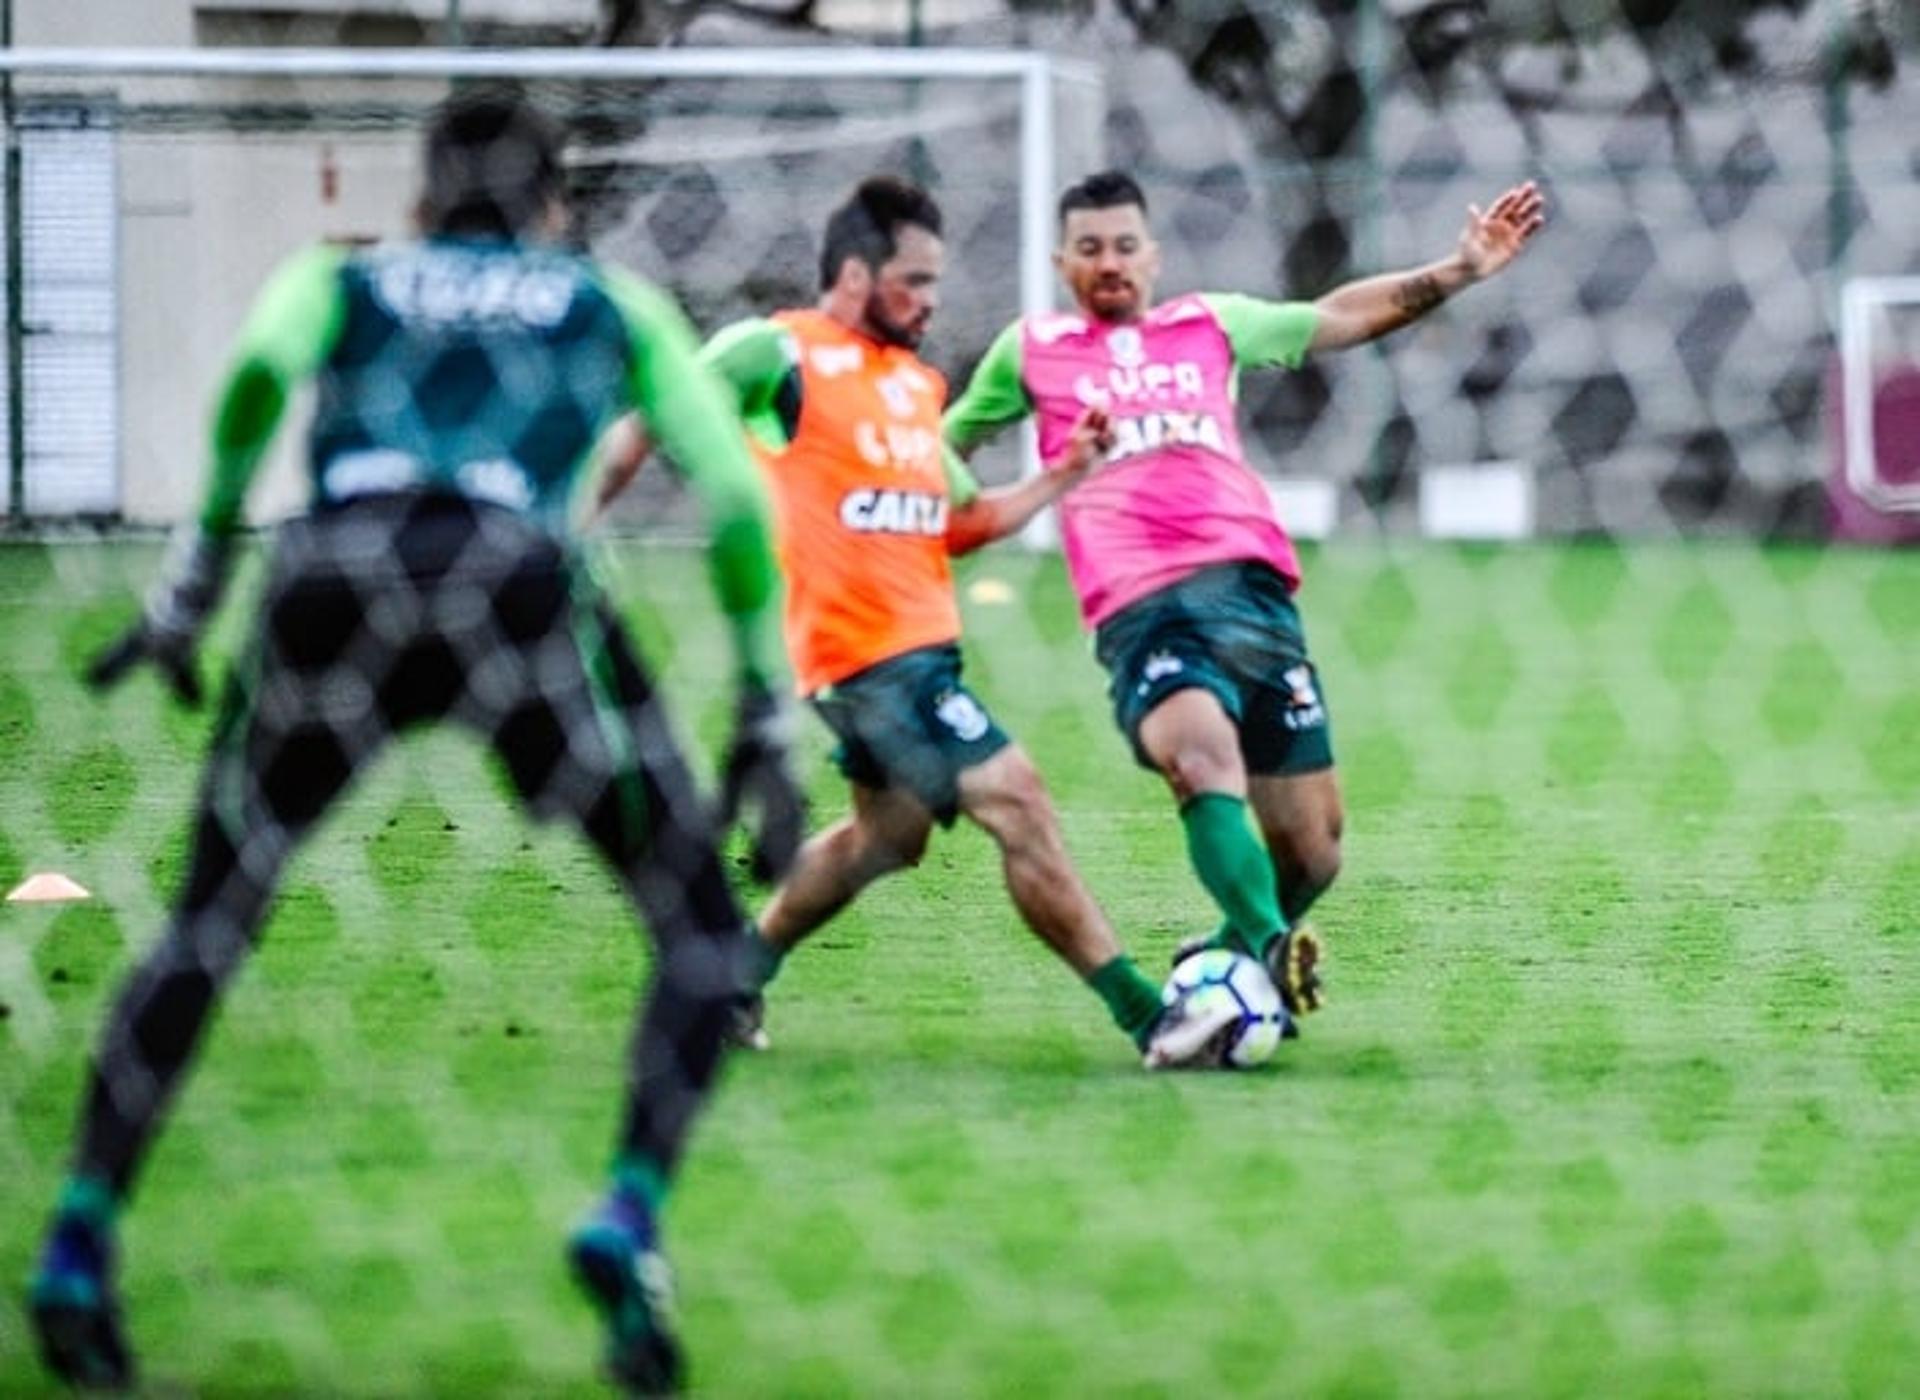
(1239, 980)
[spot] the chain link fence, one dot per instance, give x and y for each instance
(1617, 1086)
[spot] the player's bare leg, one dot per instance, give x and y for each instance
(1007, 799)
(1301, 818)
(887, 831)
(1192, 742)
(1196, 747)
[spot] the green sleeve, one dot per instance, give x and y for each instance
(994, 397)
(287, 336)
(1265, 332)
(686, 411)
(756, 358)
(962, 485)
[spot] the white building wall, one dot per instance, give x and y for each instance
(203, 219)
(99, 23)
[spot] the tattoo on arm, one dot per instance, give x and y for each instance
(1418, 295)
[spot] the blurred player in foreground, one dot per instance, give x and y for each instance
(1184, 573)
(462, 380)
(845, 419)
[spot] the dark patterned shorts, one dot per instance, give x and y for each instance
(910, 723)
(1234, 632)
(399, 610)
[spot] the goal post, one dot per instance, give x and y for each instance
(708, 170)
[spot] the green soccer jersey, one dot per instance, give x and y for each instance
(487, 368)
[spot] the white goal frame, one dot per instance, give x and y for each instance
(1859, 300)
(1038, 77)
(1037, 74)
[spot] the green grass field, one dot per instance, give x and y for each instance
(1618, 1091)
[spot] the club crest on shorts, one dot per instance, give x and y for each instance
(1159, 666)
(1303, 700)
(961, 713)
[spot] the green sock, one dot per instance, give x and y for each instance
(1132, 999)
(639, 1175)
(762, 960)
(1233, 866)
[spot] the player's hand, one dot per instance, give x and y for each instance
(1492, 240)
(1088, 442)
(757, 783)
(177, 609)
(172, 660)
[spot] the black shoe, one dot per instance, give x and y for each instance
(1293, 961)
(76, 1317)
(617, 1263)
(1193, 1036)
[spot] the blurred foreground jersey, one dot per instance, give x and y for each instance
(481, 367)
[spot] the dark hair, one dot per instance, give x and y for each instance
(867, 226)
(1109, 189)
(492, 164)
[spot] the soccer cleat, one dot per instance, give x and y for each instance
(76, 1317)
(747, 1023)
(1293, 961)
(620, 1267)
(1190, 1036)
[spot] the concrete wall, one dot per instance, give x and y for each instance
(206, 213)
(97, 23)
(205, 216)
(205, 222)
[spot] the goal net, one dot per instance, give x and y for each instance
(1622, 954)
(155, 190)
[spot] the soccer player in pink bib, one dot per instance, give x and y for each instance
(1184, 574)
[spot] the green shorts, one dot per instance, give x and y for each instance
(1233, 631)
(909, 723)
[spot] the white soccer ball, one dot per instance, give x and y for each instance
(1241, 983)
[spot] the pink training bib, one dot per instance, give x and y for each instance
(1175, 495)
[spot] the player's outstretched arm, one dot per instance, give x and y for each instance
(1375, 306)
(687, 413)
(753, 360)
(286, 337)
(991, 515)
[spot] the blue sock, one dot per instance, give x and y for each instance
(81, 1240)
(639, 1191)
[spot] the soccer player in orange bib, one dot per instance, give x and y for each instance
(869, 506)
